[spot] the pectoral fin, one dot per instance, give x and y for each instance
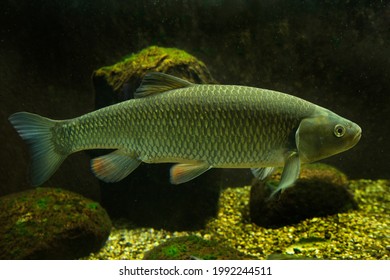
(290, 172)
(184, 172)
(115, 166)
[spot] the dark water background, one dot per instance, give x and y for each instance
(333, 53)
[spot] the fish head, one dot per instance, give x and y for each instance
(325, 134)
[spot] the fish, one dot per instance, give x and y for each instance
(194, 126)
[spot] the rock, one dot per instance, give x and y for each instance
(287, 257)
(46, 223)
(146, 197)
(118, 82)
(321, 190)
(194, 248)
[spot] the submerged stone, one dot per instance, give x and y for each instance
(194, 248)
(118, 82)
(287, 257)
(47, 223)
(321, 190)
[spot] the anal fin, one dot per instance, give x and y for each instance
(114, 166)
(184, 172)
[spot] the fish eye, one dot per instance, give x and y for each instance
(339, 130)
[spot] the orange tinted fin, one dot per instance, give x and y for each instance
(114, 166)
(184, 172)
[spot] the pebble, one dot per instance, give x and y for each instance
(357, 234)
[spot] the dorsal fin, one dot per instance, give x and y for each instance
(156, 82)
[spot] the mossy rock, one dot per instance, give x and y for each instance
(321, 190)
(287, 257)
(48, 223)
(118, 82)
(194, 248)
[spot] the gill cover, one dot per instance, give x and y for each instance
(325, 134)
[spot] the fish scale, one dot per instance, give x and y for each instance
(196, 126)
(168, 121)
(162, 117)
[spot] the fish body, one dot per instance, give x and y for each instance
(196, 126)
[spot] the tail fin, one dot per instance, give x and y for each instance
(36, 131)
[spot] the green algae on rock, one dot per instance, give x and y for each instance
(320, 190)
(48, 223)
(193, 248)
(118, 82)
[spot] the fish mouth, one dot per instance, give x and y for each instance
(357, 136)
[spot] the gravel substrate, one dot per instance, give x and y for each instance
(359, 234)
